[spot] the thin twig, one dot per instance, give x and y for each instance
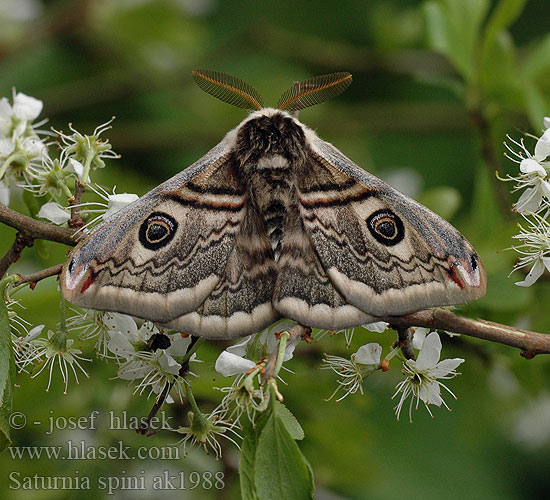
(22, 240)
(531, 343)
(145, 426)
(35, 228)
(34, 278)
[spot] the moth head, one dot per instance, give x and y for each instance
(301, 95)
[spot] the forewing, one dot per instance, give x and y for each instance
(384, 252)
(161, 256)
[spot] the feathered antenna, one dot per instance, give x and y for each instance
(228, 89)
(314, 91)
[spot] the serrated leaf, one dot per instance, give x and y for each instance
(289, 421)
(7, 373)
(314, 91)
(228, 88)
(281, 471)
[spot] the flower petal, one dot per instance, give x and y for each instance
(134, 370)
(368, 354)
(76, 167)
(26, 107)
(240, 347)
(542, 147)
(6, 147)
(119, 201)
(430, 393)
(446, 366)
(54, 213)
(35, 332)
(377, 326)
(4, 194)
(530, 199)
(169, 364)
(229, 364)
(119, 345)
(430, 352)
(545, 187)
(179, 345)
(530, 165)
(121, 323)
(419, 337)
(534, 274)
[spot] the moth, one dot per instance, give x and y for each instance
(272, 222)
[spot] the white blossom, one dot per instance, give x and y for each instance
(533, 175)
(117, 202)
(89, 150)
(232, 361)
(55, 350)
(151, 368)
(352, 371)
(111, 204)
(421, 377)
(229, 364)
(534, 249)
(204, 431)
(54, 212)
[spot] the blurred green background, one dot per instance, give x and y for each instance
(437, 85)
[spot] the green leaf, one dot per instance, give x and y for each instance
(536, 61)
(289, 421)
(453, 28)
(7, 374)
(251, 435)
(281, 471)
(502, 16)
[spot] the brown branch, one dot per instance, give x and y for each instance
(37, 229)
(34, 278)
(22, 240)
(531, 343)
(76, 217)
